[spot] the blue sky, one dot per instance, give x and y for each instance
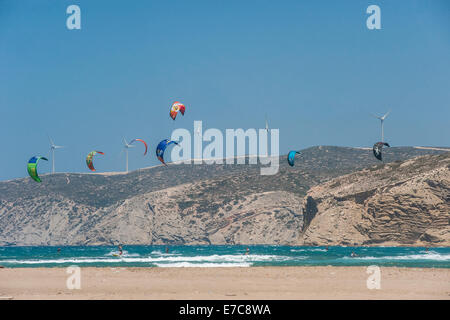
(312, 66)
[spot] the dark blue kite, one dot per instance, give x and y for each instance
(161, 147)
(377, 148)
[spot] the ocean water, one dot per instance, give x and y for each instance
(223, 256)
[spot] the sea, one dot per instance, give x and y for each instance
(222, 256)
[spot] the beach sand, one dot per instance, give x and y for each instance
(225, 283)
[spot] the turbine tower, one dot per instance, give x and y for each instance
(126, 146)
(382, 118)
(53, 147)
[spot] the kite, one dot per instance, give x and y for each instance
(145, 144)
(291, 157)
(89, 159)
(177, 106)
(161, 147)
(377, 147)
(32, 164)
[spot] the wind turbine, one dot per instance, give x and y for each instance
(127, 146)
(53, 147)
(382, 118)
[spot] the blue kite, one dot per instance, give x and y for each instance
(162, 147)
(291, 157)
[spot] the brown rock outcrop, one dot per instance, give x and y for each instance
(401, 203)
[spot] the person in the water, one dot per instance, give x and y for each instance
(353, 254)
(247, 251)
(120, 249)
(167, 249)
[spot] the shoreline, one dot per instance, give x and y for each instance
(266, 283)
(2, 267)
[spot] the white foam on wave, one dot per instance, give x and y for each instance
(428, 256)
(243, 259)
(309, 250)
(124, 254)
(160, 253)
(222, 258)
(202, 265)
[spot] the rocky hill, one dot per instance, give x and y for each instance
(406, 203)
(218, 204)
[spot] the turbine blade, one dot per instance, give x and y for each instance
(50, 139)
(375, 116)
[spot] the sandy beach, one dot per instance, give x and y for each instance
(225, 283)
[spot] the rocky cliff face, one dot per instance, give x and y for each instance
(401, 203)
(231, 204)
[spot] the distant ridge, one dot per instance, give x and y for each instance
(178, 204)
